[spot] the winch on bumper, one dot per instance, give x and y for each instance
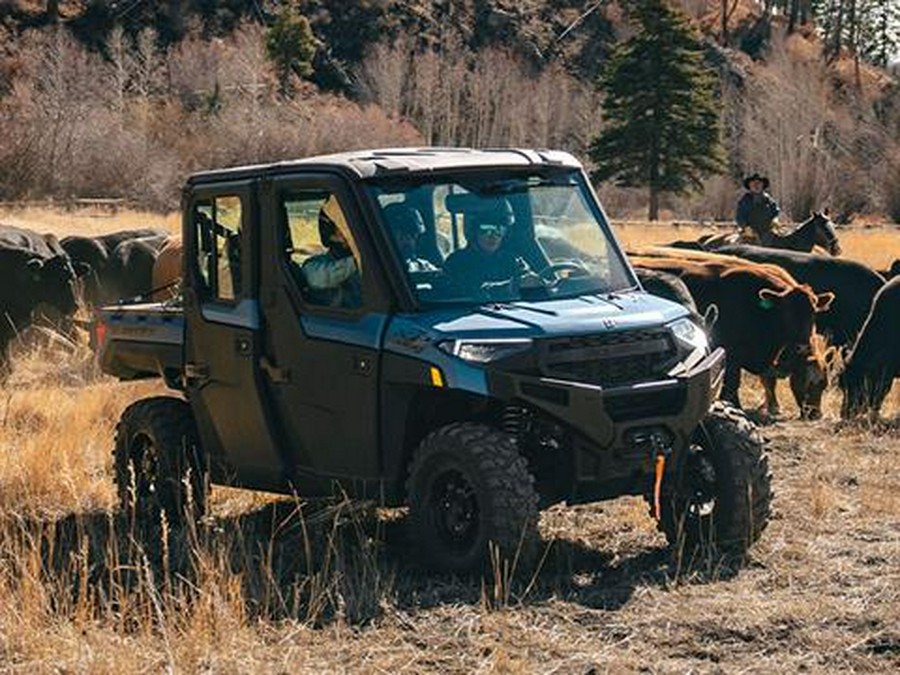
(618, 431)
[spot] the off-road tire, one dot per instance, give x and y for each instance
(173, 477)
(464, 458)
(741, 491)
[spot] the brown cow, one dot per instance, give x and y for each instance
(766, 320)
(166, 278)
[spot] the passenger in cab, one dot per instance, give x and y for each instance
(408, 227)
(332, 278)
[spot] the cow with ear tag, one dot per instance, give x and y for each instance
(766, 319)
(30, 282)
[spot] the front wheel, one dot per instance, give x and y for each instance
(723, 502)
(158, 462)
(469, 489)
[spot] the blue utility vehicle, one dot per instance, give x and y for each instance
(453, 330)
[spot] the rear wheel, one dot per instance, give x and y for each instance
(723, 502)
(158, 462)
(469, 488)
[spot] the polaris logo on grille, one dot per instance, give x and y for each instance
(609, 323)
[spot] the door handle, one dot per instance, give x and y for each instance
(276, 374)
(243, 346)
(362, 365)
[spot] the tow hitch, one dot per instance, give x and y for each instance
(659, 470)
(656, 443)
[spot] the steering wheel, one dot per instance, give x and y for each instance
(572, 265)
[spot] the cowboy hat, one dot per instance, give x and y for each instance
(756, 176)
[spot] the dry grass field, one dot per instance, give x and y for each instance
(276, 585)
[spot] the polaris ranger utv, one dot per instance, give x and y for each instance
(453, 330)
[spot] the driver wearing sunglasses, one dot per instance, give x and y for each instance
(486, 265)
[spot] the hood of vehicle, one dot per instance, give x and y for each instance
(582, 315)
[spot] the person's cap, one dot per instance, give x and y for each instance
(404, 219)
(756, 176)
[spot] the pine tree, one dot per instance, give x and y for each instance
(291, 46)
(661, 116)
(880, 34)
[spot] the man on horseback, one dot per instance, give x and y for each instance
(757, 212)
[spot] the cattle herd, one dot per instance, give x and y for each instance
(778, 313)
(46, 279)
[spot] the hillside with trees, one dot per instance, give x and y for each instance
(123, 99)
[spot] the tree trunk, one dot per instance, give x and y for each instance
(838, 30)
(726, 17)
(724, 34)
(854, 42)
(53, 11)
(654, 203)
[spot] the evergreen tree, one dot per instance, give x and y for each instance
(880, 34)
(661, 115)
(291, 46)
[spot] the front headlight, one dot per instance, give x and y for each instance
(484, 351)
(689, 334)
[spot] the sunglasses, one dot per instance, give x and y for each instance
(490, 229)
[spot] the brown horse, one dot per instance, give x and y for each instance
(818, 230)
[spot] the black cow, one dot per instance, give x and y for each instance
(874, 361)
(105, 282)
(854, 286)
(665, 285)
(129, 270)
(47, 248)
(45, 245)
(28, 281)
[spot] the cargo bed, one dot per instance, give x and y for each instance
(140, 340)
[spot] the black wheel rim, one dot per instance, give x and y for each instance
(700, 481)
(454, 511)
(146, 466)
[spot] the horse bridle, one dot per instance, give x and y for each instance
(832, 242)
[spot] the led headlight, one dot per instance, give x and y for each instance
(689, 334)
(484, 351)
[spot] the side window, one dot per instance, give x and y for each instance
(320, 249)
(218, 232)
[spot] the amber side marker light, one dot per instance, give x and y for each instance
(99, 335)
(437, 378)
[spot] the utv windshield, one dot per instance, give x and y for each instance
(483, 237)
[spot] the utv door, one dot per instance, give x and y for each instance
(321, 354)
(223, 337)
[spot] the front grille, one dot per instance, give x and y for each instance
(609, 359)
(628, 407)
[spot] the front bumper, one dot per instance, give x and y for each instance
(605, 423)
